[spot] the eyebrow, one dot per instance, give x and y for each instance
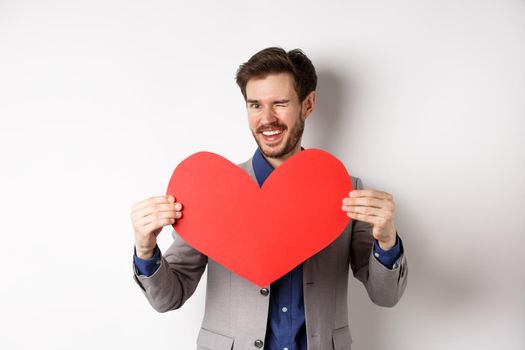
(274, 102)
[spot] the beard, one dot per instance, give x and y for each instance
(294, 136)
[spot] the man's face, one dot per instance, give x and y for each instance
(275, 114)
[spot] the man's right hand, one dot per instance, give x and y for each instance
(149, 217)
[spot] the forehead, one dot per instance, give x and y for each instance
(280, 85)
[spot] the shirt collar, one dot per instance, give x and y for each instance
(261, 167)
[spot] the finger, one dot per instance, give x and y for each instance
(369, 202)
(156, 208)
(368, 211)
(140, 223)
(371, 193)
(152, 226)
(371, 219)
(153, 200)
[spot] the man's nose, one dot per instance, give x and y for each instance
(268, 115)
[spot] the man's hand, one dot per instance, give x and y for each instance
(149, 217)
(377, 208)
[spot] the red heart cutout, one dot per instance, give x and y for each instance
(261, 233)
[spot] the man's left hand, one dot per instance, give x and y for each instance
(377, 208)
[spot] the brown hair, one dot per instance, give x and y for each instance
(276, 60)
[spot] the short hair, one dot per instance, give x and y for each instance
(274, 60)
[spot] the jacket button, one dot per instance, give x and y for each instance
(258, 343)
(265, 291)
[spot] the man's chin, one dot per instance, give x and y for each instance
(272, 152)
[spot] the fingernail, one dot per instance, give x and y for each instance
(171, 199)
(178, 206)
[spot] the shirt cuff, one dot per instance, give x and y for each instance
(147, 267)
(389, 258)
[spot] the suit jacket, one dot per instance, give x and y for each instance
(236, 310)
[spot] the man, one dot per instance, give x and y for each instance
(306, 308)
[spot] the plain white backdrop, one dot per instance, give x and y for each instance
(100, 100)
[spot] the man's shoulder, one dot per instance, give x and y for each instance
(357, 184)
(247, 166)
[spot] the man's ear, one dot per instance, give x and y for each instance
(309, 104)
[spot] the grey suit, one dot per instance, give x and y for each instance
(236, 310)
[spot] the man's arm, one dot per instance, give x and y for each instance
(385, 286)
(175, 279)
(178, 274)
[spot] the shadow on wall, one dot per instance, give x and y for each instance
(434, 284)
(322, 130)
(433, 293)
(431, 287)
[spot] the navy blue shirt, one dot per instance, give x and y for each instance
(286, 319)
(286, 326)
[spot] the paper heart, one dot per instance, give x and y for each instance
(261, 233)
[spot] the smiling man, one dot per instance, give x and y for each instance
(276, 115)
(307, 307)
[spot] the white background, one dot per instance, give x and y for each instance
(100, 100)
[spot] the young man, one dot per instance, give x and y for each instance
(306, 308)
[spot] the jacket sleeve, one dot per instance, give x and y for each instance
(384, 286)
(177, 277)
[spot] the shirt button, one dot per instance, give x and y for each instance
(376, 255)
(265, 291)
(258, 343)
(285, 348)
(284, 309)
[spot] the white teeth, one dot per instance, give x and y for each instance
(271, 132)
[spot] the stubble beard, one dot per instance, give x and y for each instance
(294, 136)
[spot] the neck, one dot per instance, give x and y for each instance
(275, 162)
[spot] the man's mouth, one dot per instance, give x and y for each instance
(272, 132)
(273, 135)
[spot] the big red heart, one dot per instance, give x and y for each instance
(261, 233)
